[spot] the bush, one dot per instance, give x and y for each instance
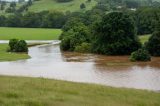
(140, 55)
(82, 6)
(17, 46)
(21, 46)
(83, 48)
(12, 43)
(153, 45)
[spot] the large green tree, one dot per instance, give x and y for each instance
(74, 34)
(115, 35)
(153, 44)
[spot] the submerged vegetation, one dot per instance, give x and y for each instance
(140, 55)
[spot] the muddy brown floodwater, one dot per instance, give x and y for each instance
(48, 61)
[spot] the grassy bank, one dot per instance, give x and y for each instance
(43, 92)
(6, 56)
(29, 33)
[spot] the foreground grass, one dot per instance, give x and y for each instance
(56, 6)
(29, 33)
(6, 56)
(144, 38)
(18, 91)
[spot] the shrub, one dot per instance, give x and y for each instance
(21, 46)
(16, 45)
(12, 43)
(153, 45)
(82, 6)
(83, 48)
(140, 55)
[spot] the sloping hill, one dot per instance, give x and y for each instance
(53, 5)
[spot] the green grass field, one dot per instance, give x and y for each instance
(53, 5)
(6, 56)
(18, 91)
(29, 33)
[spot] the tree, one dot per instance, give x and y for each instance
(13, 4)
(146, 20)
(21, 46)
(2, 7)
(153, 44)
(115, 35)
(82, 6)
(12, 43)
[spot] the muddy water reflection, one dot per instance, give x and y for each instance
(47, 61)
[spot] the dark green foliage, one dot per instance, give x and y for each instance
(146, 20)
(83, 48)
(54, 19)
(82, 6)
(21, 46)
(74, 35)
(65, 43)
(12, 43)
(18, 45)
(140, 55)
(115, 35)
(153, 44)
(43, 19)
(13, 4)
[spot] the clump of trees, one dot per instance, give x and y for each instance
(113, 35)
(43, 19)
(18, 45)
(146, 19)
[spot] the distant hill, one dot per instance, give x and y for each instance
(50, 5)
(54, 5)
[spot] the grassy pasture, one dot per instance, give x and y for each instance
(53, 5)
(18, 91)
(29, 33)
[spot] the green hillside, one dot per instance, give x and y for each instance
(53, 5)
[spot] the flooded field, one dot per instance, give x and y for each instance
(48, 61)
